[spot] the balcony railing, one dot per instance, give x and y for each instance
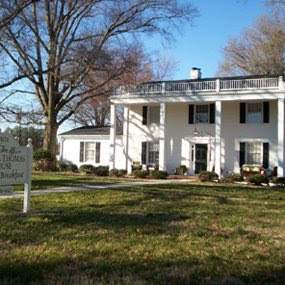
(202, 86)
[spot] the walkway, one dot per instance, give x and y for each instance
(67, 189)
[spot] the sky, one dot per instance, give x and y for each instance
(201, 45)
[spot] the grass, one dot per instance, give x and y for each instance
(164, 234)
(43, 180)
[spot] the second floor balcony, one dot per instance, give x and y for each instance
(216, 85)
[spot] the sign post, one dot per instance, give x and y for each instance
(16, 165)
(28, 182)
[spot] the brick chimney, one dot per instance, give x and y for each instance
(195, 73)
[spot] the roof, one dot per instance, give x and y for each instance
(92, 131)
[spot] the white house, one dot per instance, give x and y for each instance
(206, 124)
(90, 145)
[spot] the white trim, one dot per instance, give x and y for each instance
(259, 95)
(280, 138)
(200, 140)
(87, 137)
(218, 129)
(162, 150)
(112, 137)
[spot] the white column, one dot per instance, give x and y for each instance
(126, 139)
(112, 136)
(162, 161)
(61, 149)
(218, 137)
(280, 128)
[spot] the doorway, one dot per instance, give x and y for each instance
(201, 157)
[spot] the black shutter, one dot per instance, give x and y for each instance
(191, 114)
(241, 154)
(97, 153)
(144, 115)
(143, 153)
(242, 112)
(81, 152)
(212, 113)
(266, 155)
(265, 112)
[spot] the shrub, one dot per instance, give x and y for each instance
(181, 170)
(45, 160)
(279, 180)
(232, 177)
(117, 172)
(206, 176)
(140, 173)
(101, 170)
(63, 167)
(258, 179)
(43, 154)
(158, 174)
(72, 167)
(89, 168)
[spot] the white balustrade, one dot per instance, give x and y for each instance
(201, 85)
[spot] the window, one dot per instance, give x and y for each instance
(89, 152)
(254, 113)
(153, 153)
(154, 115)
(253, 153)
(150, 153)
(202, 114)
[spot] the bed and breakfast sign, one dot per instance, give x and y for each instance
(16, 165)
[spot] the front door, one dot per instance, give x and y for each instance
(201, 154)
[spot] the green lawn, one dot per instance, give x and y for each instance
(167, 234)
(51, 180)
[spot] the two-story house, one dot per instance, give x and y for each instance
(204, 123)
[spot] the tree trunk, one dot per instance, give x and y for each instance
(50, 136)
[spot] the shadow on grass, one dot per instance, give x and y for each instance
(134, 214)
(191, 271)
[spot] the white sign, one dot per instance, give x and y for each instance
(12, 161)
(16, 165)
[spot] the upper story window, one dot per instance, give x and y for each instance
(150, 115)
(154, 114)
(254, 113)
(202, 114)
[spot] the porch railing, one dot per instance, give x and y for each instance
(202, 86)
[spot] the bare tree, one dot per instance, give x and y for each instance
(259, 50)
(45, 44)
(139, 68)
(9, 9)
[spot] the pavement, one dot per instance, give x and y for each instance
(20, 194)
